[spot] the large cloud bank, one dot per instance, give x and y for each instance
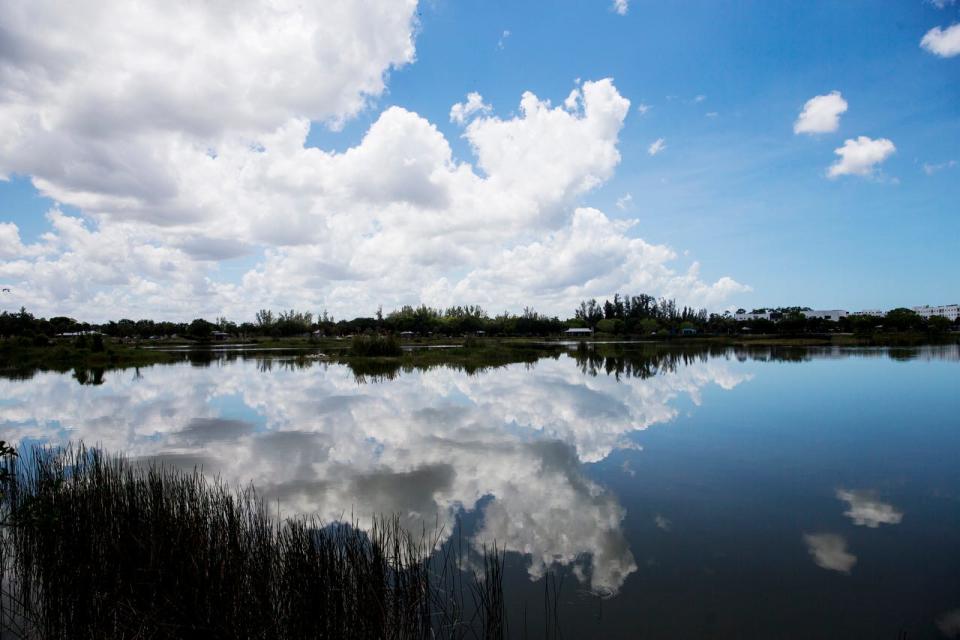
(179, 132)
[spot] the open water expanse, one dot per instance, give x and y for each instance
(764, 493)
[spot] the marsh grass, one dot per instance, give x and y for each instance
(95, 546)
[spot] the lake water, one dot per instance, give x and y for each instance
(777, 493)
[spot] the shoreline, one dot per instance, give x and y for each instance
(470, 352)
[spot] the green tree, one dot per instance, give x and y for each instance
(200, 329)
(264, 318)
(902, 319)
(938, 324)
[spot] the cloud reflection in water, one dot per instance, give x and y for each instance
(510, 442)
(829, 551)
(866, 510)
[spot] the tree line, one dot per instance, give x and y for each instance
(641, 314)
(422, 320)
(638, 315)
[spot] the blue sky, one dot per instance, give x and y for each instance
(740, 191)
(734, 189)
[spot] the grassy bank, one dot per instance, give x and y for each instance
(98, 547)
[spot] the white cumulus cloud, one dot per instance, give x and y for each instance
(179, 162)
(821, 114)
(621, 7)
(657, 146)
(591, 256)
(943, 42)
(10, 245)
(860, 156)
(474, 104)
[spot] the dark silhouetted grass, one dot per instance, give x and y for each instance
(99, 547)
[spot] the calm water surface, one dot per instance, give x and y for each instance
(764, 494)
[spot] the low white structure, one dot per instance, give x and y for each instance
(833, 315)
(948, 311)
(869, 312)
(578, 331)
(745, 317)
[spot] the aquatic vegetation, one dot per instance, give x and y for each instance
(375, 346)
(97, 546)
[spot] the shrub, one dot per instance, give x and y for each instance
(610, 326)
(375, 346)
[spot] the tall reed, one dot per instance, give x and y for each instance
(96, 546)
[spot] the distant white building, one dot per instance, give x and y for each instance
(833, 315)
(578, 331)
(949, 311)
(746, 317)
